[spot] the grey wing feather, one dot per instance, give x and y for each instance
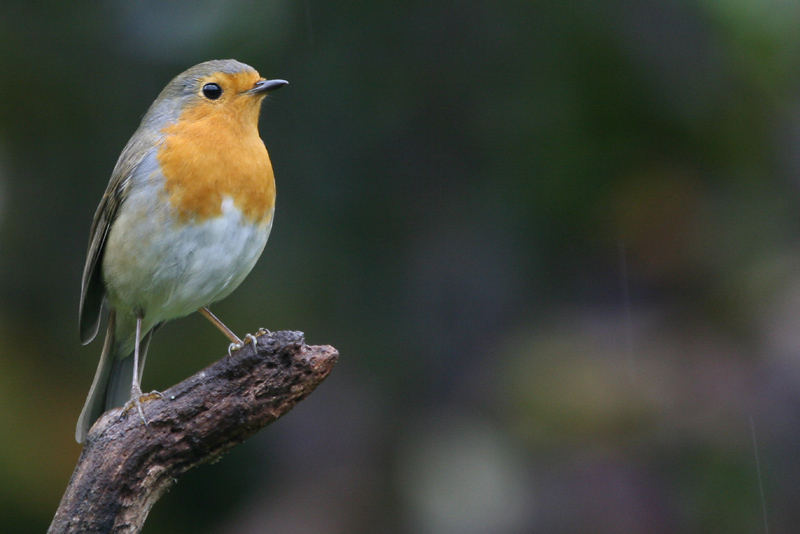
(93, 290)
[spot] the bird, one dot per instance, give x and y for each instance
(186, 215)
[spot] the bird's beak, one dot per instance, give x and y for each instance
(267, 86)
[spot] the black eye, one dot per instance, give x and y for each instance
(212, 91)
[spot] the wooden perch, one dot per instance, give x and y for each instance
(126, 466)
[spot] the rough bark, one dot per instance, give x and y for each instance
(126, 466)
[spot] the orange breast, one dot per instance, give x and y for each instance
(215, 152)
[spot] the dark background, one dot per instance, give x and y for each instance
(556, 243)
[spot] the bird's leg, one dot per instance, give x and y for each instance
(236, 343)
(136, 390)
(205, 312)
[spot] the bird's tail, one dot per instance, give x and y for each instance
(111, 386)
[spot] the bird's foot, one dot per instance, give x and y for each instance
(248, 338)
(137, 399)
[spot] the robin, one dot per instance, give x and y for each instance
(183, 220)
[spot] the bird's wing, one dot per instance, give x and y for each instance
(93, 290)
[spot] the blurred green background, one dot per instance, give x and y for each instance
(556, 243)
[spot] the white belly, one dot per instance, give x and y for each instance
(167, 269)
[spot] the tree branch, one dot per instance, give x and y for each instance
(126, 466)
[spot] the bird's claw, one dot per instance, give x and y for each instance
(248, 338)
(252, 339)
(136, 400)
(234, 347)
